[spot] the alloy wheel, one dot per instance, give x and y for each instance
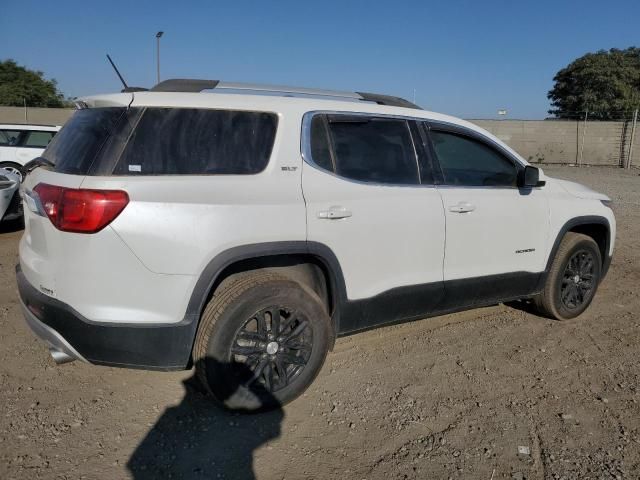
(578, 280)
(275, 344)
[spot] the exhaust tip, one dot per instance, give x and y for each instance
(60, 357)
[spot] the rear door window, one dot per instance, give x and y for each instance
(181, 141)
(366, 148)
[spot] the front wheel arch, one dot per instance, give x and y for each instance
(594, 226)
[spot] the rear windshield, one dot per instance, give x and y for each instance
(163, 141)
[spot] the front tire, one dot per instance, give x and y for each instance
(262, 340)
(573, 278)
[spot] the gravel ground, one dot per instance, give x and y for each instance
(485, 394)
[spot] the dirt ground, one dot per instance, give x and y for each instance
(486, 394)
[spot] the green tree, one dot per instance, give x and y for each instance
(605, 83)
(19, 84)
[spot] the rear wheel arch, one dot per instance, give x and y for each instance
(310, 264)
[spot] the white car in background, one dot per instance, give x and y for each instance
(20, 144)
(10, 204)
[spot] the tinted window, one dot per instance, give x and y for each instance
(465, 161)
(37, 139)
(79, 142)
(373, 150)
(9, 138)
(320, 152)
(197, 141)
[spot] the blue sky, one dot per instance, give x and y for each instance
(466, 58)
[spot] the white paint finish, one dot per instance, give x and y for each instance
(565, 206)
(484, 241)
(99, 276)
(394, 236)
(27, 127)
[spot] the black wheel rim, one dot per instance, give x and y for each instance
(578, 280)
(275, 344)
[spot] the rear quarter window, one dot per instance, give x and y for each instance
(180, 141)
(75, 148)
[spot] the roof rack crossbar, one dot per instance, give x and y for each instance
(187, 85)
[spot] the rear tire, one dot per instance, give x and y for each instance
(262, 340)
(573, 278)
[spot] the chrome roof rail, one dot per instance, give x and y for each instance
(188, 85)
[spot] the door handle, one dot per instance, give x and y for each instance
(334, 213)
(462, 207)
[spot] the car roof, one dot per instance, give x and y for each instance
(31, 126)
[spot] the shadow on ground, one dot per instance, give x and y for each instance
(198, 439)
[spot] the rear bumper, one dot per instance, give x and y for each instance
(144, 346)
(60, 349)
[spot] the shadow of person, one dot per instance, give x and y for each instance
(198, 439)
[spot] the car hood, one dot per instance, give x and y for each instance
(577, 189)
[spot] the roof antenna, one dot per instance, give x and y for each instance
(126, 88)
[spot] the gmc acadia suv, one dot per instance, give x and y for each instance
(241, 230)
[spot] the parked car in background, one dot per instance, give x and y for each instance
(10, 204)
(21, 143)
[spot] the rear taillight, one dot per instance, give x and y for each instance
(80, 210)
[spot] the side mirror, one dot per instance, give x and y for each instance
(530, 177)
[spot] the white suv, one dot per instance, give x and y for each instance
(242, 230)
(19, 144)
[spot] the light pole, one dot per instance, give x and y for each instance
(158, 36)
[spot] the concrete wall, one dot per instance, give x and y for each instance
(39, 116)
(561, 141)
(539, 141)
